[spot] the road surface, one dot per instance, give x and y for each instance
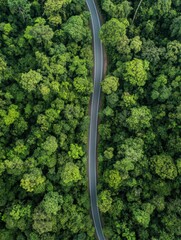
(98, 73)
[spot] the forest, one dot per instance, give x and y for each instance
(140, 145)
(46, 65)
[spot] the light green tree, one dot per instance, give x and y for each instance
(141, 217)
(7, 28)
(70, 173)
(76, 151)
(104, 201)
(50, 145)
(52, 9)
(129, 99)
(140, 118)
(82, 85)
(112, 31)
(136, 44)
(15, 166)
(110, 84)
(164, 166)
(113, 178)
(39, 32)
(163, 6)
(108, 153)
(120, 10)
(75, 22)
(54, 6)
(12, 115)
(173, 51)
(29, 81)
(51, 203)
(132, 149)
(33, 181)
(108, 111)
(161, 90)
(17, 216)
(136, 72)
(42, 222)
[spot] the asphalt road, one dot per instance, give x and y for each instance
(98, 73)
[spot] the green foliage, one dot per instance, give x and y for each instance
(50, 145)
(110, 84)
(164, 166)
(30, 80)
(2, 65)
(163, 6)
(75, 22)
(120, 10)
(175, 28)
(6, 234)
(14, 166)
(40, 32)
(70, 173)
(108, 153)
(141, 217)
(136, 72)
(141, 120)
(112, 32)
(18, 211)
(12, 115)
(136, 44)
(82, 85)
(159, 202)
(42, 223)
(151, 53)
(179, 165)
(20, 7)
(18, 216)
(33, 181)
(75, 151)
(104, 201)
(113, 178)
(51, 203)
(53, 9)
(161, 91)
(128, 99)
(46, 61)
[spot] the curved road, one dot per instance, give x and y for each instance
(98, 73)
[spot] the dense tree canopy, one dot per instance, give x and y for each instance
(45, 78)
(139, 149)
(46, 66)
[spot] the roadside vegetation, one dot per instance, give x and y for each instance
(45, 85)
(140, 145)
